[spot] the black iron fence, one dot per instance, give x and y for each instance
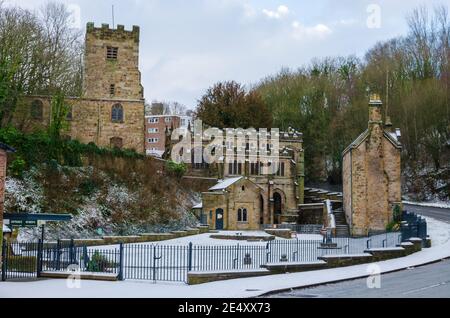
(63, 257)
(157, 262)
(19, 260)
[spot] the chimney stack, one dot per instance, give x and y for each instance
(375, 104)
(388, 124)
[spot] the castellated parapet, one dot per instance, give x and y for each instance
(112, 63)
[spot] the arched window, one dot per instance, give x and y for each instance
(69, 116)
(242, 215)
(116, 142)
(37, 110)
(117, 114)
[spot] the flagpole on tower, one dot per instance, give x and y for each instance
(113, 22)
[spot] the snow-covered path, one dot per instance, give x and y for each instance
(248, 287)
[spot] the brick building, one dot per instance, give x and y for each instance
(111, 111)
(158, 130)
(372, 175)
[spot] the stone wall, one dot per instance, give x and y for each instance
(101, 72)
(90, 121)
(371, 177)
(347, 186)
(241, 195)
(244, 195)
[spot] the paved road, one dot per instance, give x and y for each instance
(436, 213)
(431, 281)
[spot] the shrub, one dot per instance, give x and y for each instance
(24, 264)
(176, 169)
(397, 213)
(39, 147)
(17, 167)
(393, 227)
(99, 263)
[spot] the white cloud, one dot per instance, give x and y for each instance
(281, 12)
(318, 31)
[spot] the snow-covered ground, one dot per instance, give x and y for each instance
(241, 288)
(440, 204)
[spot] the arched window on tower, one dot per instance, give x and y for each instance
(117, 113)
(37, 110)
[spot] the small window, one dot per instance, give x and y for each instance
(153, 140)
(69, 115)
(117, 114)
(243, 188)
(281, 169)
(153, 130)
(112, 52)
(112, 89)
(242, 215)
(153, 120)
(37, 110)
(168, 119)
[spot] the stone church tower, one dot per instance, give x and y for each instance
(111, 111)
(112, 63)
(372, 175)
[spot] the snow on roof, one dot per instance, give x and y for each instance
(6, 229)
(224, 184)
(393, 137)
(155, 153)
(198, 206)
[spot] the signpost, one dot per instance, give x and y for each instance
(33, 220)
(23, 223)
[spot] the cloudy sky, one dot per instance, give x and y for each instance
(188, 45)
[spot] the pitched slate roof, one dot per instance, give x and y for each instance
(392, 137)
(225, 184)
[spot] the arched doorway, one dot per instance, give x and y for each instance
(277, 208)
(219, 219)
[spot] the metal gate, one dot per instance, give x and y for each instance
(19, 260)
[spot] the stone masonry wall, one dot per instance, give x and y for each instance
(375, 183)
(347, 186)
(91, 121)
(359, 191)
(244, 199)
(101, 72)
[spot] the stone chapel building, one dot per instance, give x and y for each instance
(111, 111)
(245, 198)
(372, 175)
